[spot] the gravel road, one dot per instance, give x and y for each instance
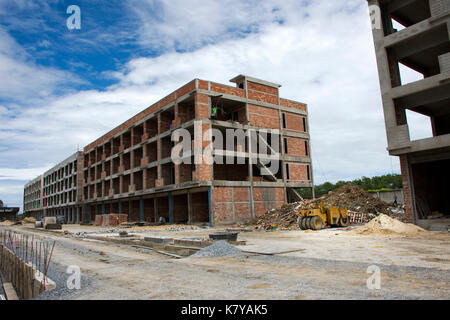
(112, 271)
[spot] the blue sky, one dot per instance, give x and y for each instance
(60, 89)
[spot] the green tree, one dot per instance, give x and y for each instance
(388, 181)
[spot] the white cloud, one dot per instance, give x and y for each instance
(21, 79)
(186, 25)
(20, 174)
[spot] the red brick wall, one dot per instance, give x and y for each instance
(220, 88)
(203, 85)
(262, 88)
(266, 199)
(184, 90)
(232, 204)
(202, 172)
(263, 117)
(262, 93)
(296, 146)
(201, 106)
(223, 213)
(294, 122)
(292, 104)
(298, 172)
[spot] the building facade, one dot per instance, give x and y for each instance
(422, 44)
(61, 189)
(130, 170)
(32, 198)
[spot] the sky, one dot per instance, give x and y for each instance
(62, 88)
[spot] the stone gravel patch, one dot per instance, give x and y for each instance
(218, 249)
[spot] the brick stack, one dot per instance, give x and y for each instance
(113, 220)
(110, 220)
(98, 220)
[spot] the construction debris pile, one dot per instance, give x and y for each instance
(384, 224)
(361, 205)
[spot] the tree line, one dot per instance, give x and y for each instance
(377, 183)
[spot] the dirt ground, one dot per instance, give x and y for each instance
(326, 264)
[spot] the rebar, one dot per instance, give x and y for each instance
(36, 251)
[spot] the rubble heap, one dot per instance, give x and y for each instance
(362, 208)
(384, 224)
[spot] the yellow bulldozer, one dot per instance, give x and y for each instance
(320, 216)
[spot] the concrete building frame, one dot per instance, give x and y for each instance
(422, 45)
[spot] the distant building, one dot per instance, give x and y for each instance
(8, 213)
(57, 192)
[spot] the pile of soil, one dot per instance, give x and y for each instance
(29, 220)
(384, 224)
(349, 196)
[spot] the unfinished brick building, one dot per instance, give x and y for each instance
(32, 198)
(421, 42)
(130, 171)
(57, 192)
(61, 189)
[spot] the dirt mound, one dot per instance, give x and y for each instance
(384, 224)
(362, 207)
(29, 220)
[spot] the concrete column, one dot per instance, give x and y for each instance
(130, 208)
(251, 146)
(155, 209)
(141, 209)
(190, 211)
(132, 160)
(171, 219)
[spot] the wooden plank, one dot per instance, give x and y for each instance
(10, 292)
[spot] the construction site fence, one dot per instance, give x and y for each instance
(24, 261)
